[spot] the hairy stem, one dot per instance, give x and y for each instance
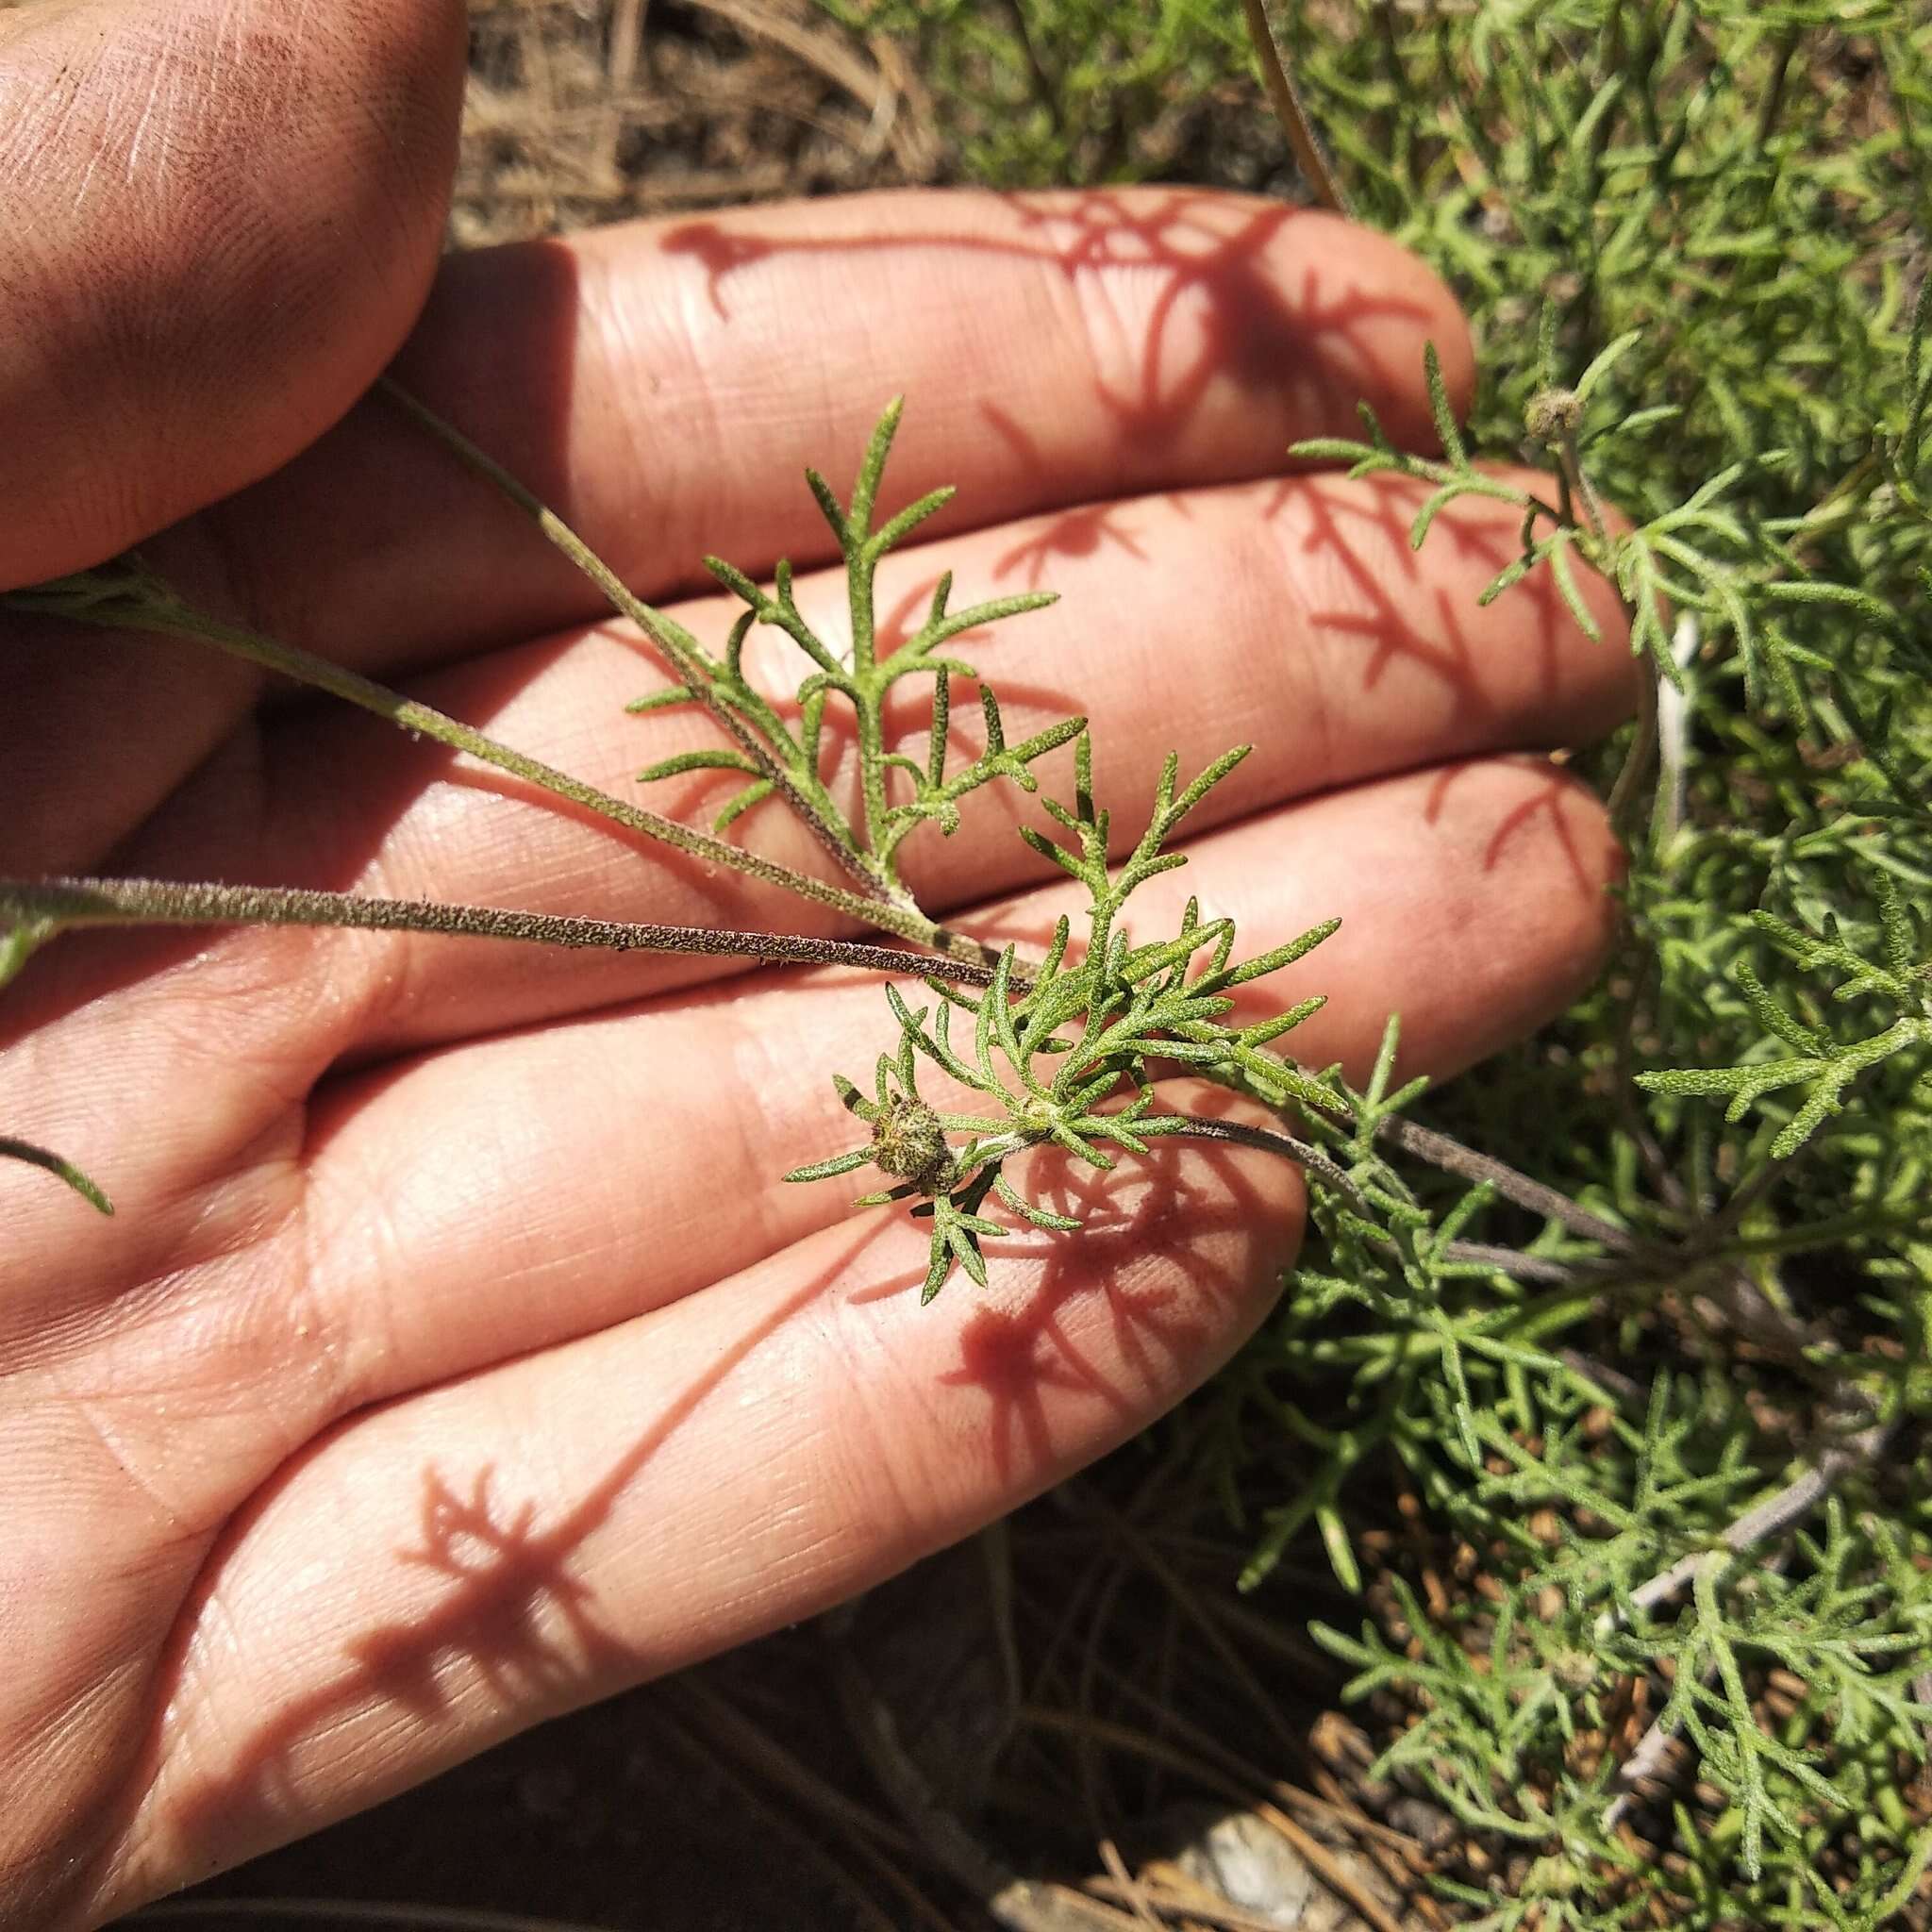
(1197, 1127)
(156, 608)
(91, 902)
(648, 619)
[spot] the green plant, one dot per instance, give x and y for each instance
(1054, 1052)
(1693, 239)
(1121, 1009)
(1071, 90)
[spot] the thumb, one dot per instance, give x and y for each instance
(223, 216)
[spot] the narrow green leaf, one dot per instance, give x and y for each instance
(60, 1169)
(1029, 1211)
(1446, 428)
(865, 491)
(680, 762)
(1605, 360)
(663, 700)
(901, 527)
(1286, 955)
(825, 1169)
(1571, 595)
(741, 802)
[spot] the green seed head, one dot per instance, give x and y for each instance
(907, 1142)
(1553, 414)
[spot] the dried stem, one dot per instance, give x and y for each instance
(1286, 102)
(1756, 1526)
(1452, 1156)
(1767, 1519)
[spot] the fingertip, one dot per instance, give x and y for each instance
(225, 215)
(1401, 308)
(1541, 861)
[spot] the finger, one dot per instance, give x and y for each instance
(527, 1539)
(1294, 616)
(221, 219)
(588, 1161)
(664, 385)
(421, 1221)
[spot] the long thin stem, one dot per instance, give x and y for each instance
(1452, 1156)
(650, 621)
(1507, 1261)
(156, 608)
(1628, 790)
(91, 902)
(62, 1169)
(1195, 1127)
(1286, 102)
(1773, 103)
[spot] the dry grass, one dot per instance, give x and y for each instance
(582, 112)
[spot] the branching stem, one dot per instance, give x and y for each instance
(647, 619)
(157, 609)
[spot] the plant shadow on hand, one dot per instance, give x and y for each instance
(512, 1612)
(1549, 790)
(1403, 614)
(1029, 1356)
(1219, 315)
(514, 1618)
(1217, 312)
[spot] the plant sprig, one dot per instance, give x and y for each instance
(1068, 1054)
(862, 675)
(1900, 981)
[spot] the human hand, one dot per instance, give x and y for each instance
(456, 1355)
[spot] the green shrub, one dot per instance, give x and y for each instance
(1686, 1453)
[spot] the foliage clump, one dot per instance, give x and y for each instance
(1674, 1425)
(1065, 1055)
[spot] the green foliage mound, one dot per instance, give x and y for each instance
(1680, 1443)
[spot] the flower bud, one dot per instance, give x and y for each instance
(1553, 414)
(908, 1142)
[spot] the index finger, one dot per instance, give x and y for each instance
(662, 385)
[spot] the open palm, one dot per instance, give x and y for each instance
(457, 1354)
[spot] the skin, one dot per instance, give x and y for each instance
(455, 1355)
